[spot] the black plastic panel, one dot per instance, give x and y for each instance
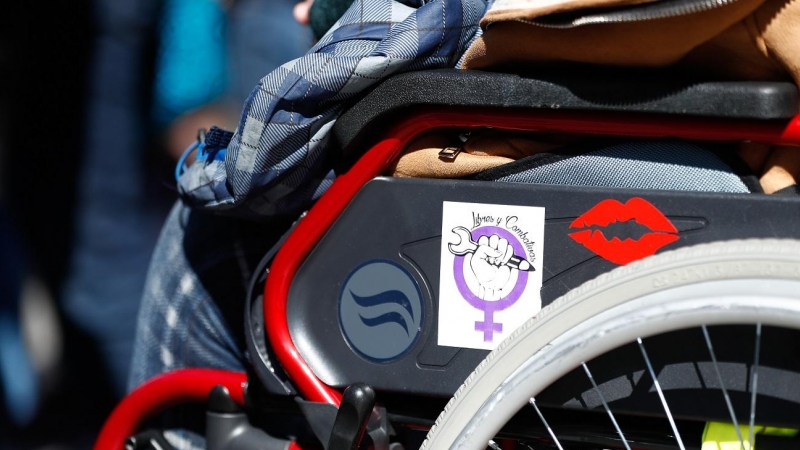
(666, 95)
(400, 220)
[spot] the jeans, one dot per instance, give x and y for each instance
(192, 312)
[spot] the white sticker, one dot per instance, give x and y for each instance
(491, 272)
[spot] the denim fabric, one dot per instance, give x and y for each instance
(192, 312)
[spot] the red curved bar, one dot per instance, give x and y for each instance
(322, 215)
(187, 385)
(791, 134)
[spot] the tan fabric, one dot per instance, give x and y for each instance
(481, 152)
(778, 167)
(748, 39)
(778, 26)
(763, 46)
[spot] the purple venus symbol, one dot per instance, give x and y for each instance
(488, 325)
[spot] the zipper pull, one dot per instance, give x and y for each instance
(450, 153)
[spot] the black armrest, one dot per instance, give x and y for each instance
(450, 87)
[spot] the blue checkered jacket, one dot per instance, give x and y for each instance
(274, 164)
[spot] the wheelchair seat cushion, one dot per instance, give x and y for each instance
(668, 164)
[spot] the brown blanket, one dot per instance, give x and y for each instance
(745, 39)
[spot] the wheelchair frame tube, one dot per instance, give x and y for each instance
(375, 161)
(194, 385)
(159, 393)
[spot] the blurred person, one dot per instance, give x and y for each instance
(118, 207)
(42, 146)
(211, 53)
(117, 211)
(190, 70)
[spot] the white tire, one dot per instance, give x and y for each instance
(731, 282)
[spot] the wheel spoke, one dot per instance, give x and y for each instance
(754, 384)
(532, 401)
(722, 386)
(494, 445)
(605, 405)
(660, 394)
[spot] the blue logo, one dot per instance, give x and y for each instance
(380, 310)
(398, 304)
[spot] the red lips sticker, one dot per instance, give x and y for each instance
(662, 231)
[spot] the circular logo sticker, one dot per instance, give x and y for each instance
(380, 310)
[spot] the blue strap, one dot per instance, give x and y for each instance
(212, 148)
(181, 166)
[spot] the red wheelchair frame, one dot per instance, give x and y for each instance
(194, 385)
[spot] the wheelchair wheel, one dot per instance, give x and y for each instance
(746, 285)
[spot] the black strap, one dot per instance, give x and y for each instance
(789, 190)
(217, 138)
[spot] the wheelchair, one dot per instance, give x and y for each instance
(702, 329)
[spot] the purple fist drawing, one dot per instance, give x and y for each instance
(489, 264)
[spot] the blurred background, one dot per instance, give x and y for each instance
(99, 99)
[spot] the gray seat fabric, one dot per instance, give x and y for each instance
(667, 164)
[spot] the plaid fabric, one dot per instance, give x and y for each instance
(274, 163)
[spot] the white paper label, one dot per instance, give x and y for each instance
(491, 272)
